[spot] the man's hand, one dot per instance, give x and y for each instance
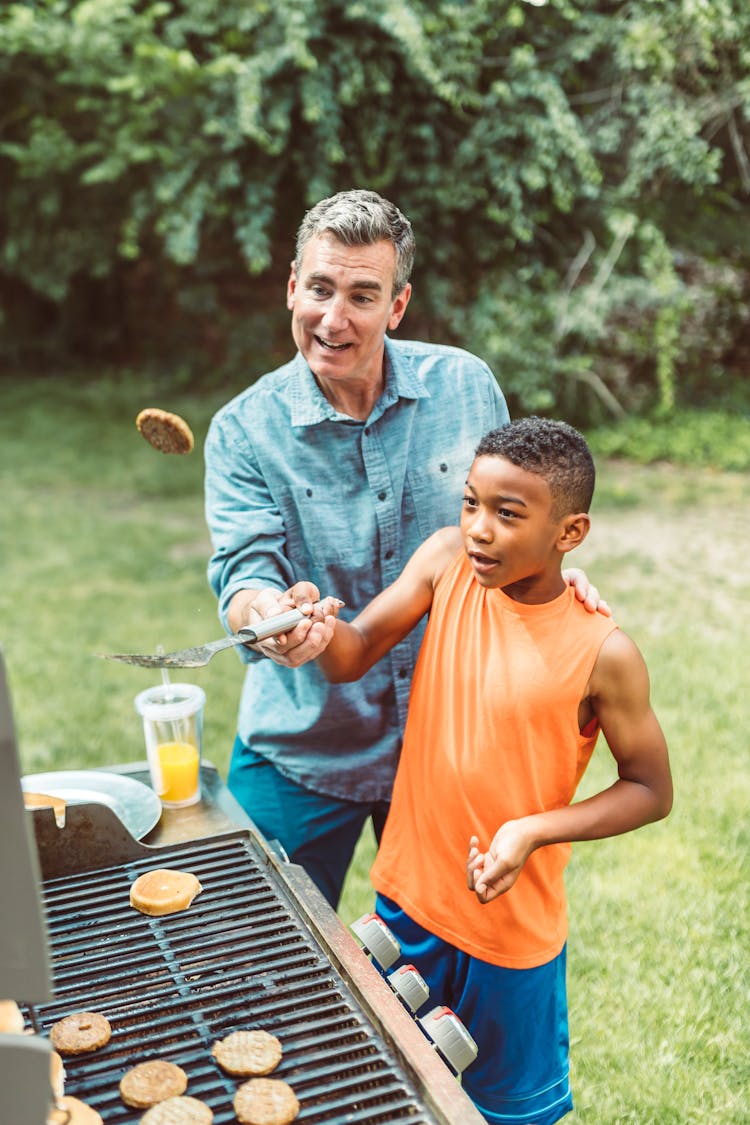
(490, 874)
(586, 592)
(309, 637)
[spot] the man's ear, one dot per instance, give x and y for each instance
(291, 285)
(399, 307)
(573, 531)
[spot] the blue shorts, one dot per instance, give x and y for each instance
(316, 831)
(518, 1017)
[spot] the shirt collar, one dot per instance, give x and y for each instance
(309, 406)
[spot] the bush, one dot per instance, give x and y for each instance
(702, 438)
(557, 161)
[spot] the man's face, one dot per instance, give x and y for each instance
(509, 532)
(341, 306)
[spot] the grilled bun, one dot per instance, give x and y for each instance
(57, 1075)
(152, 1081)
(71, 1111)
(265, 1101)
(11, 1020)
(248, 1052)
(80, 1032)
(164, 891)
(45, 801)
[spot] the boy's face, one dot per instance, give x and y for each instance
(508, 530)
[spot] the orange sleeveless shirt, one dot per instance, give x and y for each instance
(492, 734)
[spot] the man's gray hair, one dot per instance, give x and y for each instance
(360, 218)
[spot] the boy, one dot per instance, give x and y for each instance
(513, 683)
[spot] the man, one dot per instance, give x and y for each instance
(334, 468)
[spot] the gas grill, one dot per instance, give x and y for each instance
(258, 948)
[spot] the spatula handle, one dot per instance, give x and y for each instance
(270, 627)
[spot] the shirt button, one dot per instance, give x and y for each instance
(389, 554)
(309, 492)
(382, 495)
(402, 673)
(443, 467)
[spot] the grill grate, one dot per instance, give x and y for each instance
(240, 957)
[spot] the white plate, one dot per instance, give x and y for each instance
(137, 806)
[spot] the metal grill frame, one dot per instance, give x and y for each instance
(259, 947)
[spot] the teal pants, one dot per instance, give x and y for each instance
(316, 831)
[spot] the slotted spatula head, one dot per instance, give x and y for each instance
(199, 655)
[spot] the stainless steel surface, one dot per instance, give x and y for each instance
(24, 954)
(134, 803)
(259, 947)
(25, 970)
(25, 1092)
(215, 813)
(200, 655)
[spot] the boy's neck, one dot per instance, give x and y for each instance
(537, 589)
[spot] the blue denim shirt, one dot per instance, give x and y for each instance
(296, 490)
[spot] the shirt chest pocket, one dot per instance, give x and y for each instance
(436, 488)
(324, 530)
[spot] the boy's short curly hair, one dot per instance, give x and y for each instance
(553, 450)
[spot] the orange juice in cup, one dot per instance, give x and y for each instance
(178, 763)
(173, 728)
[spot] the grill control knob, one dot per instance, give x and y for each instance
(410, 985)
(450, 1037)
(377, 939)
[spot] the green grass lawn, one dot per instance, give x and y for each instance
(103, 548)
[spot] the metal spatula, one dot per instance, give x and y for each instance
(199, 655)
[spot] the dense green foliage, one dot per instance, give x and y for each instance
(711, 438)
(576, 173)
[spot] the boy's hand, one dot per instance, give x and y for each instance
(474, 863)
(586, 592)
(494, 872)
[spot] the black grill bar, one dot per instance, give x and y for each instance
(240, 957)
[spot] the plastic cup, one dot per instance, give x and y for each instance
(173, 729)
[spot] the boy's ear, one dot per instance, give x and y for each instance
(573, 531)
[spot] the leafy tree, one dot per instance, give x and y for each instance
(575, 171)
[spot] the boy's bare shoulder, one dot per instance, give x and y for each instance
(440, 550)
(619, 662)
(618, 648)
(430, 560)
(447, 539)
